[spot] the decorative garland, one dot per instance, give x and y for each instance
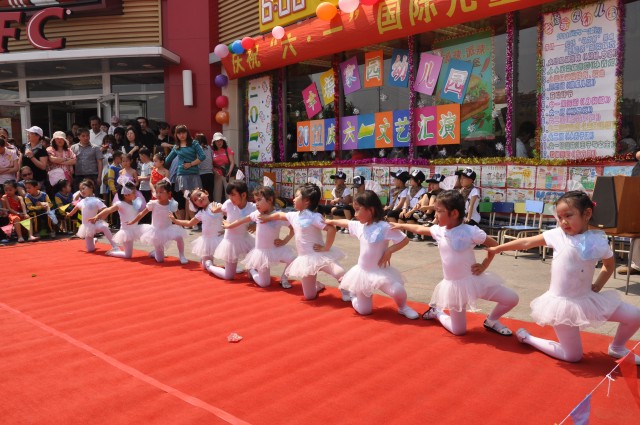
(532, 161)
(281, 101)
(619, 66)
(412, 95)
(306, 164)
(539, 83)
(336, 102)
(509, 78)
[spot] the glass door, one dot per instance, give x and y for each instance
(108, 106)
(11, 114)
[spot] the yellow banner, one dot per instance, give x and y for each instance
(26, 224)
(285, 12)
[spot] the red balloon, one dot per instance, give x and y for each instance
(369, 2)
(222, 117)
(248, 43)
(222, 101)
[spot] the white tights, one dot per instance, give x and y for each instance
(569, 347)
(100, 228)
(309, 287)
(226, 273)
(456, 322)
(159, 250)
(127, 253)
(364, 304)
(263, 277)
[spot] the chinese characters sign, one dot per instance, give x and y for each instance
(428, 73)
(373, 69)
(284, 12)
(399, 70)
(350, 75)
(578, 93)
(311, 100)
(260, 120)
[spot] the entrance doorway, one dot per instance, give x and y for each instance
(55, 116)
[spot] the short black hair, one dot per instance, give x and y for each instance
(577, 199)
(310, 192)
(452, 200)
(369, 199)
(239, 185)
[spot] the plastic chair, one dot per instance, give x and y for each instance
(494, 229)
(532, 222)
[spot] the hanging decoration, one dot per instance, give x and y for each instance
(335, 65)
(236, 47)
(412, 94)
(222, 101)
(277, 32)
(326, 11)
(221, 51)
(369, 2)
(509, 79)
(248, 43)
(281, 101)
(348, 6)
(221, 80)
(222, 117)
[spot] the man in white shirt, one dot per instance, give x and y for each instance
(96, 135)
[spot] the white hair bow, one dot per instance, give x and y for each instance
(122, 181)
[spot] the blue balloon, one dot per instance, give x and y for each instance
(221, 80)
(236, 47)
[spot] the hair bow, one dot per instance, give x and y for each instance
(122, 181)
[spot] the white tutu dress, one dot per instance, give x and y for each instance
(570, 300)
(127, 232)
(308, 228)
(90, 206)
(460, 288)
(266, 252)
(161, 231)
(366, 276)
(206, 244)
(237, 242)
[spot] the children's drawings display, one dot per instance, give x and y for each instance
(521, 176)
(380, 175)
(288, 176)
(548, 196)
(552, 178)
(326, 175)
(446, 170)
(286, 191)
(349, 172)
(493, 176)
(363, 171)
(314, 175)
(491, 194)
(300, 176)
(617, 170)
(582, 178)
(519, 195)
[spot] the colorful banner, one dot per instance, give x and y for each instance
(384, 130)
(428, 73)
(387, 20)
(398, 75)
(578, 81)
(274, 12)
(350, 75)
(316, 128)
(328, 86)
(311, 100)
(425, 126)
(437, 125)
(456, 81)
(477, 109)
(330, 134)
(349, 133)
(401, 129)
(366, 131)
(260, 119)
(373, 69)
(303, 138)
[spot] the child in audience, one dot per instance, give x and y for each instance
(342, 198)
(63, 198)
(397, 196)
(144, 178)
(128, 206)
(314, 254)
(128, 170)
(464, 281)
(471, 196)
(210, 215)
(158, 173)
(427, 206)
(416, 192)
(161, 231)
(269, 248)
(15, 206)
(574, 300)
(90, 206)
(113, 173)
(39, 205)
(373, 271)
(236, 242)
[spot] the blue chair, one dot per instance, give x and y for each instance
(497, 208)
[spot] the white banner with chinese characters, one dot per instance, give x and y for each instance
(260, 120)
(580, 53)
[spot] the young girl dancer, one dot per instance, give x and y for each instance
(90, 206)
(128, 206)
(372, 271)
(269, 248)
(574, 300)
(236, 242)
(161, 230)
(209, 214)
(314, 254)
(464, 280)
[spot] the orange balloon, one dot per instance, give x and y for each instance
(222, 117)
(326, 11)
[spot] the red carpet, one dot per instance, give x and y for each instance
(97, 340)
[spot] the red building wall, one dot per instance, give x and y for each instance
(190, 30)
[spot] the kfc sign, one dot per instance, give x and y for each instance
(35, 28)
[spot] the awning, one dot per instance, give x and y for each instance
(387, 20)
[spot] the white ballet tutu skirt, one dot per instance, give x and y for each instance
(130, 234)
(205, 246)
(161, 236)
(88, 230)
(360, 281)
(590, 310)
(461, 294)
(232, 251)
(260, 259)
(310, 264)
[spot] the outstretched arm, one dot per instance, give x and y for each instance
(183, 223)
(139, 217)
(233, 225)
(338, 222)
(413, 228)
(519, 245)
(104, 213)
(608, 264)
(273, 216)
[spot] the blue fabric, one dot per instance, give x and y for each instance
(580, 415)
(186, 155)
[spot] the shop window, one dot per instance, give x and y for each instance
(77, 86)
(630, 107)
(483, 111)
(9, 91)
(137, 83)
(143, 105)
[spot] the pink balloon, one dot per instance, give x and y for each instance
(277, 32)
(348, 6)
(221, 51)
(248, 43)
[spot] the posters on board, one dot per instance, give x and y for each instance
(259, 118)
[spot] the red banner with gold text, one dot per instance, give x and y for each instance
(387, 20)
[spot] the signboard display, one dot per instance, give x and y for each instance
(285, 12)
